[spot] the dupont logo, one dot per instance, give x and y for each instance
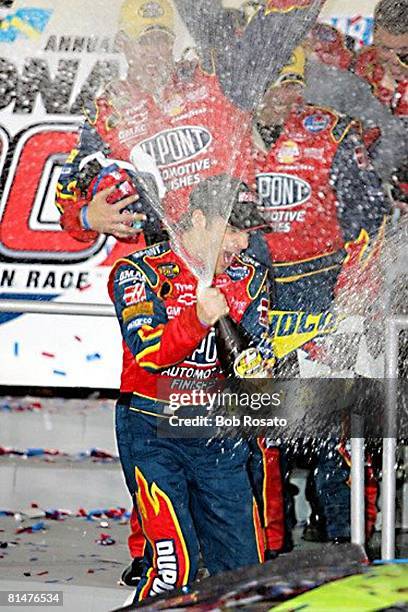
(177, 145)
(282, 190)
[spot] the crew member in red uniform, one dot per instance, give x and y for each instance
(191, 494)
(318, 194)
(325, 211)
(183, 120)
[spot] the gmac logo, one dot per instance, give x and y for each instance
(176, 145)
(282, 190)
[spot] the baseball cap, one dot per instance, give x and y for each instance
(137, 17)
(294, 71)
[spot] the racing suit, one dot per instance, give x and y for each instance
(324, 203)
(190, 493)
(327, 211)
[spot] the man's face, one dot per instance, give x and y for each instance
(393, 51)
(278, 102)
(150, 59)
(233, 243)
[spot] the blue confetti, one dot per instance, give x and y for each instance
(93, 357)
(59, 372)
(16, 349)
(38, 526)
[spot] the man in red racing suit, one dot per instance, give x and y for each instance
(192, 123)
(191, 494)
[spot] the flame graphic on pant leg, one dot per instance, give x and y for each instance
(171, 563)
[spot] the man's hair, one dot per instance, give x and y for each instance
(392, 16)
(214, 197)
(226, 197)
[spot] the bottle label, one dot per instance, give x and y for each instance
(249, 364)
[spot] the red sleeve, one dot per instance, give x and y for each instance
(71, 223)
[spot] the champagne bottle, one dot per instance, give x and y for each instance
(235, 353)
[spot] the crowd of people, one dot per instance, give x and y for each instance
(277, 151)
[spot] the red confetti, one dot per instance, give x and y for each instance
(78, 338)
(45, 354)
(42, 573)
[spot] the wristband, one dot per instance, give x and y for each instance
(84, 218)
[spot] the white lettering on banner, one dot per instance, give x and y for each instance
(178, 144)
(282, 190)
(55, 93)
(80, 44)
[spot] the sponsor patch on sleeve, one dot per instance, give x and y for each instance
(169, 270)
(316, 123)
(138, 323)
(144, 308)
(134, 294)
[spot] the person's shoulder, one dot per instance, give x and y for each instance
(367, 54)
(248, 271)
(141, 263)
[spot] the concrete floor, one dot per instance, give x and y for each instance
(64, 556)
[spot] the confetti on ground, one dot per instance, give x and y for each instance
(42, 573)
(50, 355)
(59, 372)
(32, 528)
(19, 405)
(93, 357)
(105, 540)
(16, 349)
(50, 454)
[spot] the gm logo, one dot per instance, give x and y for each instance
(177, 145)
(282, 190)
